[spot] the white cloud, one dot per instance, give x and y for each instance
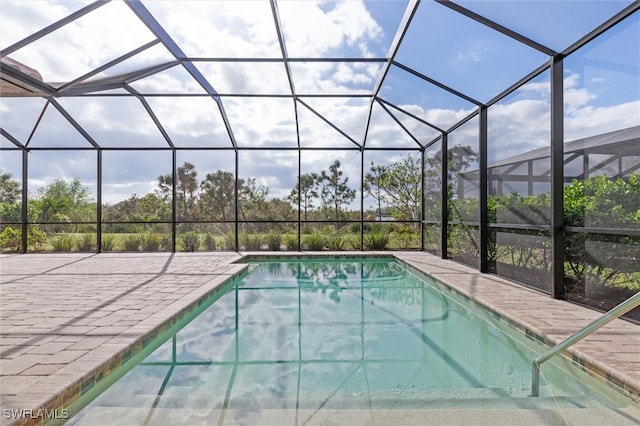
(589, 120)
(219, 28)
(174, 80)
(262, 121)
(475, 54)
(81, 45)
(114, 193)
(346, 74)
(22, 18)
(312, 32)
(246, 78)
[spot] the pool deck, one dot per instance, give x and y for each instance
(66, 320)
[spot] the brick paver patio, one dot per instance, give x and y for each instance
(65, 317)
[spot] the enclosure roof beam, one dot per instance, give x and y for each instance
(329, 123)
(518, 84)
(51, 28)
(403, 27)
(605, 26)
(415, 117)
(437, 83)
(73, 122)
(10, 137)
(283, 47)
(150, 21)
(19, 78)
(394, 118)
(106, 66)
(285, 58)
(495, 26)
(153, 116)
(118, 81)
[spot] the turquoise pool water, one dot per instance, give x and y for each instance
(315, 335)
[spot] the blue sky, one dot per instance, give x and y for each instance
(602, 89)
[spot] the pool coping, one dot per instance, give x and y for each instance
(602, 371)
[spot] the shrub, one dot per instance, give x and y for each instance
(354, 242)
(62, 242)
(36, 238)
(132, 242)
(166, 243)
(190, 241)
(230, 241)
(376, 240)
(11, 239)
(376, 228)
(336, 242)
(291, 241)
(354, 228)
(250, 242)
(404, 237)
(151, 242)
(315, 241)
(274, 240)
(86, 242)
(210, 242)
(108, 242)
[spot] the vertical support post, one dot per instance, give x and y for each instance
(236, 193)
(483, 187)
(557, 178)
(24, 216)
(585, 165)
(423, 154)
(444, 196)
(619, 165)
(361, 198)
(174, 201)
(530, 175)
(99, 201)
(299, 200)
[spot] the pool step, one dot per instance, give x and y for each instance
(179, 405)
(452, 416)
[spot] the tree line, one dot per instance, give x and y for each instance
(322, 196)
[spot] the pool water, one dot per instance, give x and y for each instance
(321, 335)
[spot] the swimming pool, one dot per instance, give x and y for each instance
(303, 338)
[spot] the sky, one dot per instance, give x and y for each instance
(601, 85)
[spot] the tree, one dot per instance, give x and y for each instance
(280, 209)
(252, 199)
(148, 208)
(374, 185)
(397, 185)
(186, 187)
(9, 189)
(10, 193)
(304, 192)
(218, 195)
(403, 187)
(334, 190)
(63, 201)
(459, 158)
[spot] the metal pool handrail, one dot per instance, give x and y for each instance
(621, 309)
